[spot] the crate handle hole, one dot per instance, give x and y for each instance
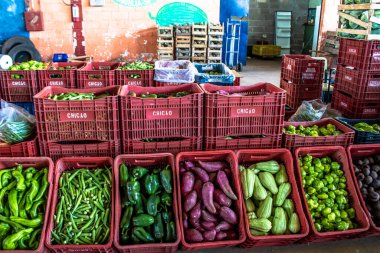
(88, 165)
(17, 76)
(134, 76)
(145, 161)
(94, 77)
(104, 67)
(56, 76)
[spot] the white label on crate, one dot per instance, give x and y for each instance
(56, 83)
(289, 67)
(352, 51)
(19, 83)
(370, 110)
(95, 84)
(344, 104)
(311, 70)
(76, 116)
(134, 82)
(348, 78)
(246, 111)
(162, 113)
(374, 84)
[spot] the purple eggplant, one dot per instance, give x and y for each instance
(222, 198)
(201, 174)
(196, 212)
(228, 215)
(207, 196)
(223, 226)
(208, 225)
(209, 235)
(188, 180)
(189, 165)
(224, 184)
(206, 216)
(212, 166)
(190, 201)
(193, 235)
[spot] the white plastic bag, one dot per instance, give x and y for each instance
(174, 71)
(309, 111)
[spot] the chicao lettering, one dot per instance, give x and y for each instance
(56, 83)
(19, 83)
(162, 113)
(246, 111)
(77, 115)
(95, 84)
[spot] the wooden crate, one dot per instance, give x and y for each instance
(165, 43)
(366, 31)
(215, 29)
(212, 54)
(183, 41)
(165, 31)
(199, 30)
(331, 43)
(165, 55)
(199, 50)
(199, 42)
(183, 30)
(215, 37)
(214, 61)
(215, 44)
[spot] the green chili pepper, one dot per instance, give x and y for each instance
(21, 209)
(15, 225)
(133, 190)
(172, 231)
(28, 223)
(7, 211)
(138, 172)
(20, 180)
(33, 238)
(5, 178)
(22, 242)
(2, 172)
(151, 184)
(4, 230)
(166, 179)
(12, 200)
(33, 190)
(10, 242)
(33, 210)
(126, 219)
(124, 175)
(142, 235)
(43, 185)
(158, 227)
(2, 194)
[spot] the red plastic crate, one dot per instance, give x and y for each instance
(230, 158)
(292, 141)
(149, 161)
(359, 152)
(360, 54)
(174, 147)
(123, 77)
(251, 156)
(18, 86)
(337, 154)
(23, 149)
(161, 117)
(302, 69)
(97, 75)
(296, 94)
(38, 163)
(77, 120)
(73, 163)
(57, 150)
(61, 78)
(237, 81)
(359, 84)
(265, 142)
(355, 108)
(260, 112)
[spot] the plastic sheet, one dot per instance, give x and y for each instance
(203, 75)
(175, 71)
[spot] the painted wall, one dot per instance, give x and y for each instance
(12, 19)
(120, 29)
(262, 20)
(314, 3)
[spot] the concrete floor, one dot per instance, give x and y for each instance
(261, 70)
(269, 70)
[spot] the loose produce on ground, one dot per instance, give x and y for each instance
(83, 211)
(367, 171)
(77, 96)
(266, 190)
(208, 202)
(326, 192)
(147, 205)
(313, 131)
(362, 126)
(172, 95)
(23, 198)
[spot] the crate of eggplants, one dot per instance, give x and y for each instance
(367, 171)
(208, 202)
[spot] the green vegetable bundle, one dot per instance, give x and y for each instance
(325, 187)
(138, 66)
(22, 207)
(313, 131)
(362, 126)
(83, 212)
(77, 96)
(266, 190)
(173, 95)
(147, 199)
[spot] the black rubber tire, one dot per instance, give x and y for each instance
(15, 41)
(23, 53)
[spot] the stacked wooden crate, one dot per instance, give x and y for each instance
(183, 42)
(165, 43)
(199, 43)
(215, 43)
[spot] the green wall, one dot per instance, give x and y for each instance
(314, 3)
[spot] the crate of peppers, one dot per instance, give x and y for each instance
(135, 73)
(146, 213)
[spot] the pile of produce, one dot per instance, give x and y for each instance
(77, 96)
(23, 198)
(326, 192)
(266, 191)
(147, 205)
(367, 173)
(30, 65)
(137, 66)
(214, 73)
(313, 131)
(209, 210)
(365, 127)
(83, 212)
(172, 95)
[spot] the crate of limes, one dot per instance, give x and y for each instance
(135, 73)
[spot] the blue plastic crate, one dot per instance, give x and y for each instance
(29, 107)
(360, 136)
(226, 79)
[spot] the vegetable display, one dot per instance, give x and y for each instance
(148, 95)
(367, 171)
(147, 205)
(83, 212)
(137, 66)
(208, 202)
(23, 198)
(313, 131)
(77, 96)
(266, 192)
(325, 190)
(30, 65)
(365, 127)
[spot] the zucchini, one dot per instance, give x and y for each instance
(255, 232)
(294, 224)
(261, 224)
(259, 192)
(268, 181)
(265, 209)
(288, 207)
(283, 192)
(269, 166)
(279, 224)
(281, 176)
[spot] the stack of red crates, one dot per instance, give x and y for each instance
(301, 77)
(167, 124)
(357, 85)
(78, 127)
(252, 118)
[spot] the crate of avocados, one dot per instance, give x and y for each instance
(324, 174)
(364, 159)
(367, 131)
(269, 220)
(24, 220)
(97, 75)
(324, 132)
(91, 179)
(135, 73)
(152, 225)
(359, 21)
